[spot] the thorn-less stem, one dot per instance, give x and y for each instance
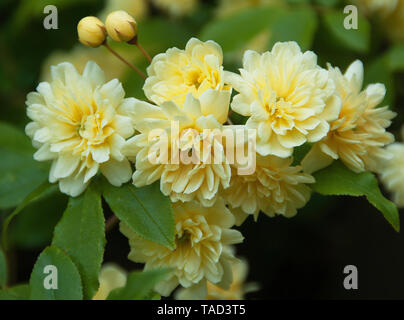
(144, 52)
(116, 54)
(111, 222)
(135, 41)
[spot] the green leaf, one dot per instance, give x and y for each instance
(33, 227)
(20, 174)
(81, 234)
(235, 31)
(300, 152)
(159, 34)
(395, 58)
(378, 71)
(328, 3)
(18, 292)
(34, 195)
(139, 285)
(68, 278)
(338, 180)
(3, 269)
(356, 40)
(145, 210)
(297, 25)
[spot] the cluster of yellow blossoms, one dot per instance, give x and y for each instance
(86, 126)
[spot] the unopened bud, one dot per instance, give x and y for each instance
(121, 26)
(91, 31)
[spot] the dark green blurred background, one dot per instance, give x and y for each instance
(302, 257)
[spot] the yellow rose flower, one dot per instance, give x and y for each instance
(288, 97)
(202, 235)
(236, 291)
(79, 125)
(175, 73)
(189, 173)
(111, 277)
(359, 134)
(392, 172)
(176, 8)
(276, 187)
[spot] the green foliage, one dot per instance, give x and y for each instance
(139, 285)
(34, 195)
(395, 58)
(338, 180)
(3, 269)
(18, 292)
(357, 40)
(69, 281)
(81, 234)
(20, 174)
(235, 31)
(295, 25)
(145, 210)
(283, 25)
(33, 227)
(378, 71)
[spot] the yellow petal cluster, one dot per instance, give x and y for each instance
(198, 120)
(288, 98)
(392, 171)
(359, 134)
(276, 187)
(77, 123)
(111, 277)
(200, 256)
(175, 73)
(237, 290)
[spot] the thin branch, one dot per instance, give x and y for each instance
(111, 222)
(116, 54)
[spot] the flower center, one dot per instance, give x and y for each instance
(194, 78)
(94, 129)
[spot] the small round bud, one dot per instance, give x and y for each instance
(91, 31)
(121, 26)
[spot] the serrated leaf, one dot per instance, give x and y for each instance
(339, 180)
(69, 285)
(20, 174)
(145, 210)
(34, 195)
(81, 234)
(3, 269)
(357, 40)
(235, 31)
(296, 25)
(139, 285)
(18, 292)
